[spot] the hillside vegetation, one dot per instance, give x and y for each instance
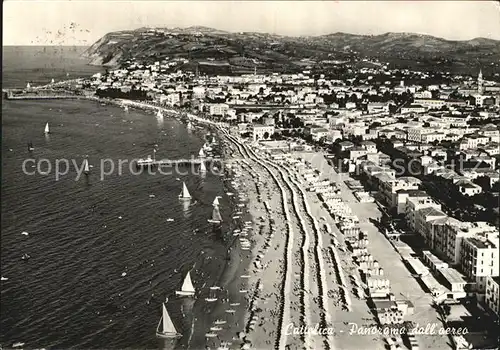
(243, 51)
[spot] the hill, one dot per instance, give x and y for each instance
(281, 53)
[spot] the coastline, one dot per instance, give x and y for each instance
(228, 278)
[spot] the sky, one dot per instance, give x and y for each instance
(71, 22)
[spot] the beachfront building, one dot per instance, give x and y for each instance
(423, 223)
(388, 189)
(479, 259)
(262, 132)
(217, 109)
(492, 295)
(414, 204)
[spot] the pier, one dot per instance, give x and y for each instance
(145, 163)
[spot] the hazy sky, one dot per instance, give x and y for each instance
(50, 22)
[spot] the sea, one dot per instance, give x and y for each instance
(103, 254)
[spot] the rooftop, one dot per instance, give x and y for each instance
(480, 244)
(452, 275)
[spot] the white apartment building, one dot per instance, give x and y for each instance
(416, 134)
(430, 103)
(479, 258)
(492, 295)
(219, 109)
(260, 132)
(472, 142)
(433, 136)
(415, 204)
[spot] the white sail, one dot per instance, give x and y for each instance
(47, 130)
(203, 168)
(216, 201)
(216, 217)
(187, 286)
(159, 114)
(86, 166)
(168, 325)
(28, 86)
(185, 192)
(201, 153)
(52, 81)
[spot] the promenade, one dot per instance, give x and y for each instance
(403, 284)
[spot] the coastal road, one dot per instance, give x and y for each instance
(403, 284)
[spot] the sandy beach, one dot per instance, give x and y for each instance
(297, 277)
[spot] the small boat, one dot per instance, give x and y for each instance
(236, 217)
(86, 169)
(17, 345)
(213, 294)
(170, 220)
(24, 233)
(4, 278)
(234, 304)
(187, 288)
(145, 162)
(216, 217)
(210, 335)
(25, 257)
(184, 195)
(230, 194)
(215, 329)
(30, 147)
(167, 329)
(47, 129)
(230, 311)
(220, 322)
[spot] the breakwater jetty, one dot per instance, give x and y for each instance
(182, 162)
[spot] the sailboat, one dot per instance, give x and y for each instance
(125, 108)
(201, 153)
(189, 125)
(185, 192)
(213, 294)
(216, 201)
(86, 169)
(216, 217)
(159, 114)
(67, 74)
(30, 147)
(52, 81)
(203, 168)
(47, 130)
(167, 329)
(187, 288)
(28, 86)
